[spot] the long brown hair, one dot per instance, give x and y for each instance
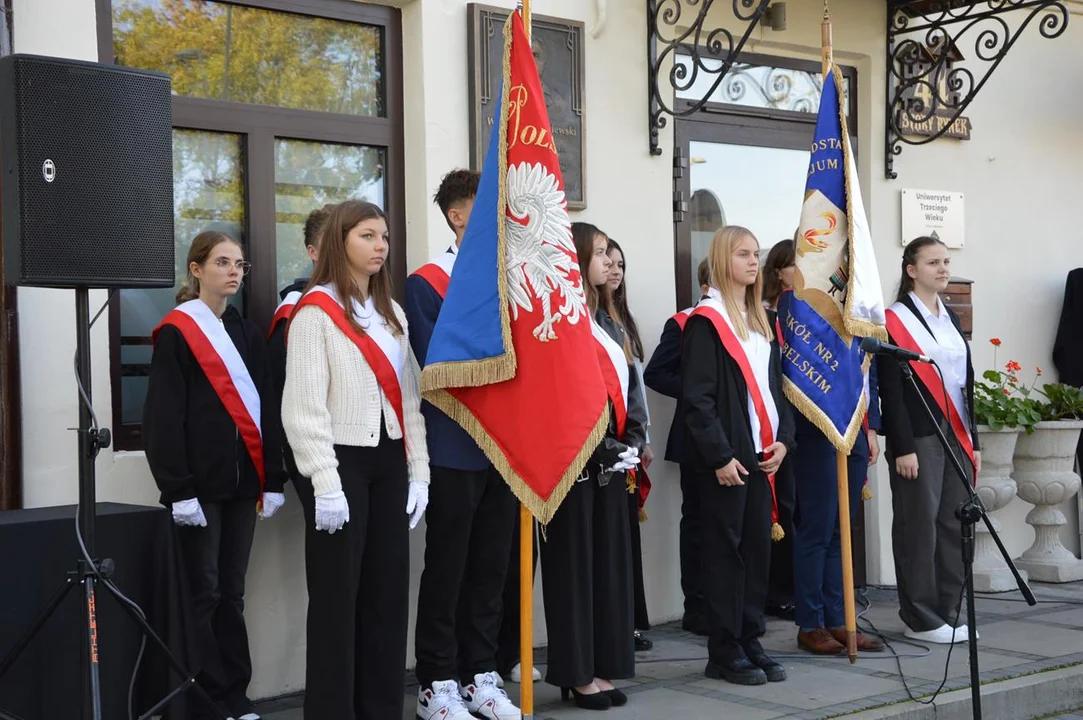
(620, 304)
(721, 257)
(781, 256)
(910, 257)
(199, 253)
(333, 267)
(597, 297)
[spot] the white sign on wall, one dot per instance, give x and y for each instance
(935, 213)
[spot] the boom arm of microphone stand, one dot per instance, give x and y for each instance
(975, 499)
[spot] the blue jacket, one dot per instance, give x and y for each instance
(449, 445)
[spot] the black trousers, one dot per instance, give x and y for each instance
(469, 527)
(216, 561)
(690, 556)
(507, 653)
(736, 541)
(639, 592)
(780, 585)
(587, 570)
(358, 590)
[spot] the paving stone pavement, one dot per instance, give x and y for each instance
(1015, 640)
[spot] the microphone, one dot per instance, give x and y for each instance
(874, 346)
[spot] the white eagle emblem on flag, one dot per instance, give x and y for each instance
(540, 252)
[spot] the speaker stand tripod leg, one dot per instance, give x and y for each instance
(174, 663)
(94, 676)
(39, 621)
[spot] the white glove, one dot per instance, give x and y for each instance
(417, 501)
(189, 513)
(332, 511)
(271, 504)
(628, 461)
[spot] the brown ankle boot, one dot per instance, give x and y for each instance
(820, 642)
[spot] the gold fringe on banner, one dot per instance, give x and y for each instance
(542, 509)
(803, 404)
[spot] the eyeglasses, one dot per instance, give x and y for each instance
(241, 266)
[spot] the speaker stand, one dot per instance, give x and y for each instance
(89, 572)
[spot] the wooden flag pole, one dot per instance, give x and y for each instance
(526, 561)
(847, 555)
(841, 467)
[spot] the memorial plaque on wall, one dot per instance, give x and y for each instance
(558, 51)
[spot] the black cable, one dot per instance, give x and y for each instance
(79, 532)
(898, 657)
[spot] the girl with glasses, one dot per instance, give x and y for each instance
(213, 441)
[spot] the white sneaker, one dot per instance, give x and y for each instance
(962, 634)
(942, 635)
(441, 702)
(485, 699)
(517, 674)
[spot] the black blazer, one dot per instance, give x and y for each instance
(635, 427)
(715, 398)
(1068, 347)
(902, 415)
(192, 444)
(663, 375)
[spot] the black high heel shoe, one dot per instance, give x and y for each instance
(593, 701)
(616, 697)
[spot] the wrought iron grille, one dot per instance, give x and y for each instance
(710, 53)
(924, 40)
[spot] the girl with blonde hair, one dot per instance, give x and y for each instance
(740, 428)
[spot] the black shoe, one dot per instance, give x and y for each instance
(783, 612)
(694, 624)
(642, 643)
(616, 697)
(593, 701)
(774, 671)
(739, 671)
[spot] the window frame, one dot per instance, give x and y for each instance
(259, 126)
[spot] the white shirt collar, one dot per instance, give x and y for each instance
(926, 313)
(454, 249)
(715, 294)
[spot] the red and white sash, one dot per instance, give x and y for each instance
(682, 317)
(762, 411)
(284, 310)
(614, 365)
(378, 346)
(221, 362)
(907, 331)
(438, 271)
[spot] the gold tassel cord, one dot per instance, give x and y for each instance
(866, 494)
(777, 533)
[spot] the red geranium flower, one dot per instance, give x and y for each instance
(1013, 366)
(995, 342)
(1039, 369)
(1006, 391)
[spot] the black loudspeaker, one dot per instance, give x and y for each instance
(87, 187)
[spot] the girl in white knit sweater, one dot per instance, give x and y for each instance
(351, 412)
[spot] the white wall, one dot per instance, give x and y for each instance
(1025, 198)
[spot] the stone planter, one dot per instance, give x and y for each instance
(1044, 473)
(996, 489)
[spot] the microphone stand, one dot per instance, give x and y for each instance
(969, 513)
